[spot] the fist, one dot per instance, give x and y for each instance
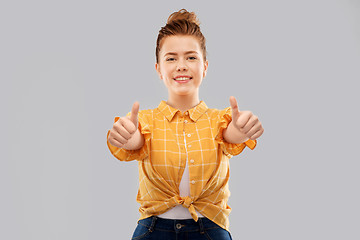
(245, 121)
(124, 128)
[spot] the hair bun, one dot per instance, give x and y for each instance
(183, 14)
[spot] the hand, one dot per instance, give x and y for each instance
(245, 121)
(124, 128)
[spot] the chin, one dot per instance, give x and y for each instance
(187, 93)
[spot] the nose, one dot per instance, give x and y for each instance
(181, 65)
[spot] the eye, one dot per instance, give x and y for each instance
(192, 58)
(169, 59)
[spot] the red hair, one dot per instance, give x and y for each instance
(181, 22)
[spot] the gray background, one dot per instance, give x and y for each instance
(69, 67)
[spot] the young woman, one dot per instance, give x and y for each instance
(182, 146)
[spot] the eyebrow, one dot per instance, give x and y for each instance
(174, 53)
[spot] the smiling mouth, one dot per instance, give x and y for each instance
(182, 79)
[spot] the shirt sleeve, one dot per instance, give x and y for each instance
(139, 154)
(230, 149)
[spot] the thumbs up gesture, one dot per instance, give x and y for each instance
(124, 133)
(245, 122)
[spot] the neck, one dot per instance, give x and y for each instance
(183, 103)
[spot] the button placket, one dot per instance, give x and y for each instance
(187, 134)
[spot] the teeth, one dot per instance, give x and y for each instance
(182, 78)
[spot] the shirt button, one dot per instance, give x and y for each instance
(185, 121)
(186, 113)
(189, 135)
(189, 146)
(193, 181)
(192, 161)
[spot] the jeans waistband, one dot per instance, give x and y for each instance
(181, 225)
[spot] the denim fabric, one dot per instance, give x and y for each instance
(155, 228)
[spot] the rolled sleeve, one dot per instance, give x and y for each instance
(130, 155)
(230, 149)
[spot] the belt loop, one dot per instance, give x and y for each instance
(201, 226)
(152, 223)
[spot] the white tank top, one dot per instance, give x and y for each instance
(180, 212)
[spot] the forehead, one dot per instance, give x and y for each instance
(180, 44)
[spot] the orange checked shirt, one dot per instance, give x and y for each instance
(171, 139)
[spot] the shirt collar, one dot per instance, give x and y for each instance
(194, 113)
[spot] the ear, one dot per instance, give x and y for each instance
(206, 64)
(157, 68)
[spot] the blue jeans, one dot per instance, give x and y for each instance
(155, 228)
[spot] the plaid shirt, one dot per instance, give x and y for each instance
(163, 157)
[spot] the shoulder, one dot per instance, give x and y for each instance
(146, 114)
(218, 113)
